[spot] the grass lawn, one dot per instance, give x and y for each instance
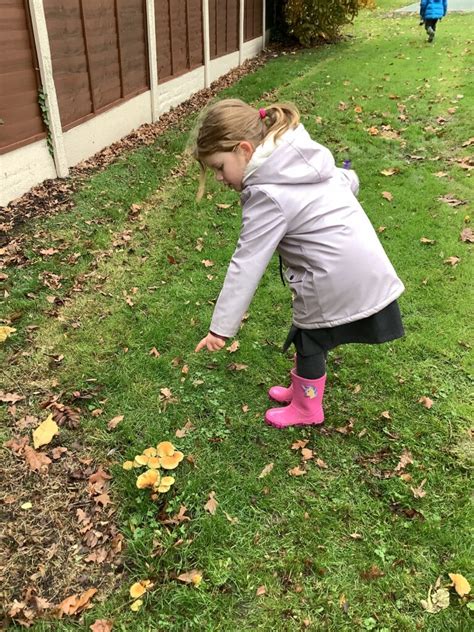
(383, 507)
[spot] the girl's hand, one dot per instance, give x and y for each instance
(213, 343)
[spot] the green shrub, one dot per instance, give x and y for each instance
(311, 20)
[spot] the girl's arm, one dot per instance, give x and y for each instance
(263, 227)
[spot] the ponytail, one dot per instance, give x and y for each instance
(223, 125)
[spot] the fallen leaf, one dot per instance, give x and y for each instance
(261, 590)
(235, 366)
(231, 519)
(154, 352)
(372, 573)
(74, 604)
(344, 604)
(306, 454)
(297, 471)
(452, 261)
(138, 589)
(266, 470)
(113, 423)
(387, 195)
(182, 432)
(425, 240)
(207, 263)
(10, 398)
(438, 598)
(101, 625)
(192, 577)
(419, 492)
(390, 172)
(136, 605)
(301, 443)
(233, 347)
(467, 235)
(347, 429)
(179, 517)
(245, 408)
(405, 459)
(45, 432)
(356, 536)
(468, 142)
(320, 463)
(212, 504)
(426, 401)
(460, 583)
(385, 414)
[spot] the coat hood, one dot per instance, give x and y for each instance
(294, 159)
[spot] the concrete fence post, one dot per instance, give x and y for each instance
(43, 50)
(241, 31)
(152, 59)
(207, 43)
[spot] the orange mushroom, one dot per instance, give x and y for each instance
(147, 479)
(141, 459)
(164, 485)
(150, 452)
(172, 461)
(165, 448)
(127, 465)
(153, 462)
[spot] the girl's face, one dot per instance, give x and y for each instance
(229, 166)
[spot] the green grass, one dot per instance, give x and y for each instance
(293, 534)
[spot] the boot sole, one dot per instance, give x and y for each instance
(297, 423)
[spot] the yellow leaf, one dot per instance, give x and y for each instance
(45, 432)
(460, 583)
(136, 605)
(26, 505)
(6, 332)
(193, 577)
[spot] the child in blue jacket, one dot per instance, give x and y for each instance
(431, 11)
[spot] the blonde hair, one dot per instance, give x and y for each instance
(226, 123)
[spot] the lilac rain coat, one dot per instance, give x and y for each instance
(297, 202)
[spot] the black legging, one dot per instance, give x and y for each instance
(311, 367)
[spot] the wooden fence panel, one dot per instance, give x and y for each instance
(19, 109)
(223, 27)
(179, 37)
(99, 55)
(253, 19)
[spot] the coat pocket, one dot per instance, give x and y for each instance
(296, 281)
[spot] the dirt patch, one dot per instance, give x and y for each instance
(59, 537)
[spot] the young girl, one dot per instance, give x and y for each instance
(297, 202)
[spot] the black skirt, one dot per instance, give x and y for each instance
(380, 327)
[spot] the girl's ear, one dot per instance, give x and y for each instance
(246, 148)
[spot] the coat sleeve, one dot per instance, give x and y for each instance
(423, 4)
(263, 227)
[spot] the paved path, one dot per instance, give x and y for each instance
(453, 6)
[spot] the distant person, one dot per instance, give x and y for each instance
(296, 201)
(431, 11)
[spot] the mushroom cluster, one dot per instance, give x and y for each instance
(163, 456)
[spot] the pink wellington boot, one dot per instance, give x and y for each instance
(306, 406)
(282, 394)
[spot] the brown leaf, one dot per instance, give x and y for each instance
(261, 590)
(347, 429)
(114, 422)
(405, 459)
(266, 470)
(452, 261)
(297, 471)
(385, 414)
(306, 454)
(320, 463)
(10, 398)
(426, 401)
(233, 347)
(192, 577)
(57, 452)
(468, 142)
(74, 604)
(419, 492)
(299, 444)
(245, 408)
(207, 263)
(387, 195)
(154, 352)
(390, 172)
(467, 235)
(37, 461)
(101, 625)
(212, 504)
(179, 517)
(425, 240)
(372, 573)
(451, 200)
(231, 519)
(235, 366)
(188, 427)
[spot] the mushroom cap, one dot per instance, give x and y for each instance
(165, 448)
(150, 452)
(147, 479)
(136, 605)
(162, 489)
(167, 480)
(127, 465)
(153, 462)
(137, 590)
(141, 459)
(170, 462)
